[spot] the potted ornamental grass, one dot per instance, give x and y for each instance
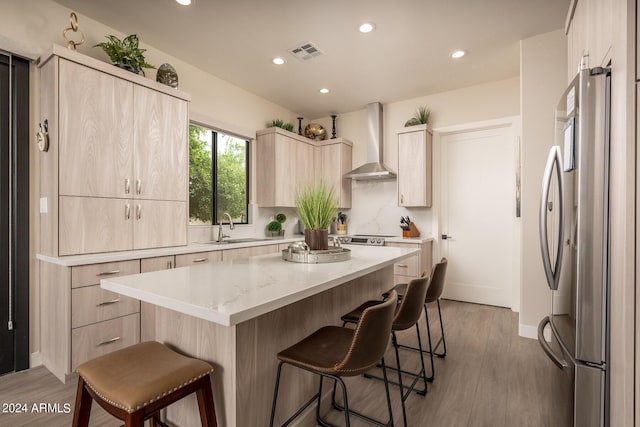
(316, 206)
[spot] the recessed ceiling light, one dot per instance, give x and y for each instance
(324, 90)
(278, 61)
(457, 54)
(184, 2)
(366, 27)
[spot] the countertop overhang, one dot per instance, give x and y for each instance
(232, 292)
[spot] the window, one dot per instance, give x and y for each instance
(218, 176)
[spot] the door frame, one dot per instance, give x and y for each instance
(438, 173)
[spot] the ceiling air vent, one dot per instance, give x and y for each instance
(306, 51)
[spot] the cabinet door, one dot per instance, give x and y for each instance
(159, 224)
(332, 162)
(96, 132)
(304, 166)
(286, 170)
(160, 146)
(89, 225)
(414, 169)
(187, 260)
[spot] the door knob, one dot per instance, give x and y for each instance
(446, 237)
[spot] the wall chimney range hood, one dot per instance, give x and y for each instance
(374, 169)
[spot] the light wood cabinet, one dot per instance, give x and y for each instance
(332, 162)
(92, 224)
(79, 320)
(160, 146)
(186, 260)
(415, 166)
(412, 267)
(286, 161)
(96, 132)
(118, 147)
(159, 223)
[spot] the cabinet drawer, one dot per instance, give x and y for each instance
(187, 260)
(408, 266)
(92, 304)
(87, 275)
(101, 338)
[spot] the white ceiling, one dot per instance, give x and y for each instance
(406, 56)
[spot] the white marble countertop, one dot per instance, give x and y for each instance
(400, 239)
(232, 292)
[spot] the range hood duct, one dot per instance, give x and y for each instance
(374, 169)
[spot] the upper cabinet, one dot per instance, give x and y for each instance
(414, 166)
(333, 160)
(286, 161)
(116, 174)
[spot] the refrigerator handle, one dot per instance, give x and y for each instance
(559, 362)
(551, 272)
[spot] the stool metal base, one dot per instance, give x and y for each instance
(318, 396)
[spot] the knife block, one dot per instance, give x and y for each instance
(412, 231)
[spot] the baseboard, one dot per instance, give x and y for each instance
(528, 331)
(35, 359)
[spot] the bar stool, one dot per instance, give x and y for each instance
(434, 292)
(335, 352)
(407, 316)
(135, 383)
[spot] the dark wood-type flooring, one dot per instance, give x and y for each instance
(490, 377)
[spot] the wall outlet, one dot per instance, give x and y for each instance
(43, 205)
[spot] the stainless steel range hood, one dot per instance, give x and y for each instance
(374, 168)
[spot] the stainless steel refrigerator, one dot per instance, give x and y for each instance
(574, 241)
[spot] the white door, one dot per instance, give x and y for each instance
(479, 215)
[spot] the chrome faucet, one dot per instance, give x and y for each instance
(221, 235)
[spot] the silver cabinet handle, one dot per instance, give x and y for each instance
(201, 259)
(127, 186)
(402, 265)
(552, 272)
(169, 265)
(108, 273)
(127, 211)
(138, 186)
(138, 211)
(110, 341)
(102, 304)
(402, 198)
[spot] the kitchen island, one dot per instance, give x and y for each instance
(239, 314)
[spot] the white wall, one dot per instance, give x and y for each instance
(34, 25)
(543, 65)
(374, 207)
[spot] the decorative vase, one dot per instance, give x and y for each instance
(317, 239)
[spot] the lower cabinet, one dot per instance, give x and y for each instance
(79, 320)
(186, 260)
(101, 338)
(412, 267)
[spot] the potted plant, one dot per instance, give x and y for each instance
(125, 53)
(421, 117)
(278, 123)
(275, 228)
(316, 206)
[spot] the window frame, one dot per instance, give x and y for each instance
(214, 172)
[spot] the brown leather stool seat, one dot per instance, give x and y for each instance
(134, 383)
(336, 352)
